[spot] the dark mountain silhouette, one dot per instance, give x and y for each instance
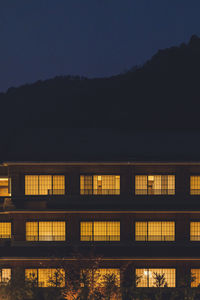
(163, 94)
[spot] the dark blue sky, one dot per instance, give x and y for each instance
(40, 39)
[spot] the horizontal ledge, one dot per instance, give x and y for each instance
(103, 259)
(99, 211)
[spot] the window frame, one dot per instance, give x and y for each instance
(194, 268)
(44, 174)
(11, 271)
(197, 175)
(11, 234)
(92, 241)
(154, 174)
(92, 190)
(9, 186)
(46, 220)
(154, 220)
(157, 267)
(47, 267)
(193, 221)
(106, 268)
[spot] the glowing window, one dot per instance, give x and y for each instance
(46, 231)
(155, 184)
(194, 231)
(5, 275)
(44, 184)
(155, 231)
(47, 277)
(194, 185)
(5, 230)
(99, 276)
(195, 276)
(5, 187)
(100, 231)
(147, 277)
(100, 185)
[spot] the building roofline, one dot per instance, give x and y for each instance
(116, 163)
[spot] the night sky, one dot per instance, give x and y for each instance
(40, 39)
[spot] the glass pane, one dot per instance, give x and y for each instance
(171, 184)
(141, 277)
(86, 185)
(45, 231)
(195, 185)
(31, 274)
(58, 185)
(59, 231)
(154, 231)
(140, 185)
(47, 277)
(147, 277)
(45, 184)
(195, 231)
(5, 230)
(169, 274)
(32, 231)
(102, 273)
(113, 231)
(4, 187)
(31, 185)
(86, 231)
(195, 274)
(168, 231)
(5, 275)
(141, 231)
(100, 232)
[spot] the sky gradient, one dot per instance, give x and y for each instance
(41, 39)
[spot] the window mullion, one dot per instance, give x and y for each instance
(147, 231)
(147, 185)
(38, 185)
(92, 231)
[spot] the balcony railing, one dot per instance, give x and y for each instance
(45, 238)
(155, 238)
(100, 238)
(100, 191)
(155, 191)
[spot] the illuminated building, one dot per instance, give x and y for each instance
(143, 213)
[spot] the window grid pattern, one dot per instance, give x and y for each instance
(100, 185)
(100, 231)
(155, 231)
(194, 185)
(5, 230)
(44, 185)
(46, 277)
(97, 276)
(103, 272)
(155, 184)
(195, 231)
(195, 273)
(5, 187)
(5, 275)
(46, 231)
(147, 277)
